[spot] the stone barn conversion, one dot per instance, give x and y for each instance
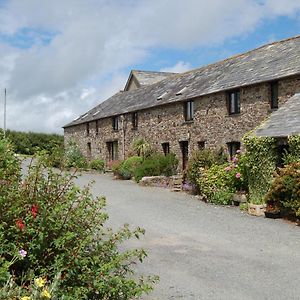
(209, 107)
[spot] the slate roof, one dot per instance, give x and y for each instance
(283, 122)
(267, 63)
(147, 77)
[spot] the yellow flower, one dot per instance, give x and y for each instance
(45, 294)
(39, 282)
(25, 298)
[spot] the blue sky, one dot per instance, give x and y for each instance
(61, 58)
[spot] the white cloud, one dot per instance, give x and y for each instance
(179, 67)
(92, 42)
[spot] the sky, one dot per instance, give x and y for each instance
(60, 58)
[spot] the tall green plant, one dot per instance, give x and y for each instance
(293, 155)
(259, 165)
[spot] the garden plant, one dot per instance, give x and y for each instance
(54, 242)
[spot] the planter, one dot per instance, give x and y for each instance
(256, 209)
(272, 214)
(239, 198)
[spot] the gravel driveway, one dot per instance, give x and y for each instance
(201, 251)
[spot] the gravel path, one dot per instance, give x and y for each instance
(201, 251)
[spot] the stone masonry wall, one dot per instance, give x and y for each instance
(161, 124)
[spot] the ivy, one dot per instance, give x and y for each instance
(260, 164)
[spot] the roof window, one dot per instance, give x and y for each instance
(84, 116)
(163, 95)
(181, 91)
(96, 113)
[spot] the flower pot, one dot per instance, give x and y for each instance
(256, 209)
(273, 214)
(239, 198)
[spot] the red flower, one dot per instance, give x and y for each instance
(34, 210)
(20, 224)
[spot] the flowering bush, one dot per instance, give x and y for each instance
(60, 229)
(219, 182)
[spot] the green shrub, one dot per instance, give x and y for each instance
(128, 166)
(156, 165)
(200, 160)
(62, 229)
(222, 197)
(285, 189)
(74, 157)
(149, 167)
(97, 164)
(32, 142)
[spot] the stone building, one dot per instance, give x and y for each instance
(209, 107)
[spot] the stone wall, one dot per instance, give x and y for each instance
(161, 124)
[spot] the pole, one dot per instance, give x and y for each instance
(4, 125)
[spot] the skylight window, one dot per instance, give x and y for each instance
(96, 113)
(84, 116)
(163, 95)
(181, 91)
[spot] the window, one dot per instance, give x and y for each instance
(201, 145)
(115, 123)
(88, 129)
(233, 147)
(89, 150)
(233, 102)
(166, 148)
(189, 111)
(97, 127)
(113, 151)
(274, 95)
(134, 120)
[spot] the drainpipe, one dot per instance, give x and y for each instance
(123, 135)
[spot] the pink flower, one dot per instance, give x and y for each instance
(227, 169)
(238, 151)
(23, 253)
(238, 175)
(235, 160)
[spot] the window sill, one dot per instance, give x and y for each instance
(233, 115)
(270, 110)
(188, 122)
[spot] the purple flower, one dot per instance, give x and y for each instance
(238, 175)
(23, 253)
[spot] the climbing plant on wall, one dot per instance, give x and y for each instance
(260, 164)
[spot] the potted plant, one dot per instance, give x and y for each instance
(273, 210)
(256, 207)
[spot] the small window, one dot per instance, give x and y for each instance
(201, 145)
(274, 95)
(233, 147)
(89, 150)
(233, 102)
(115, 123)
(181, 91)
(162, 96)
(88, 129)
(97, 127)
(134, 120)
(166, 148)
(189, 111)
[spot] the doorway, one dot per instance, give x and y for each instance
(184, 145)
